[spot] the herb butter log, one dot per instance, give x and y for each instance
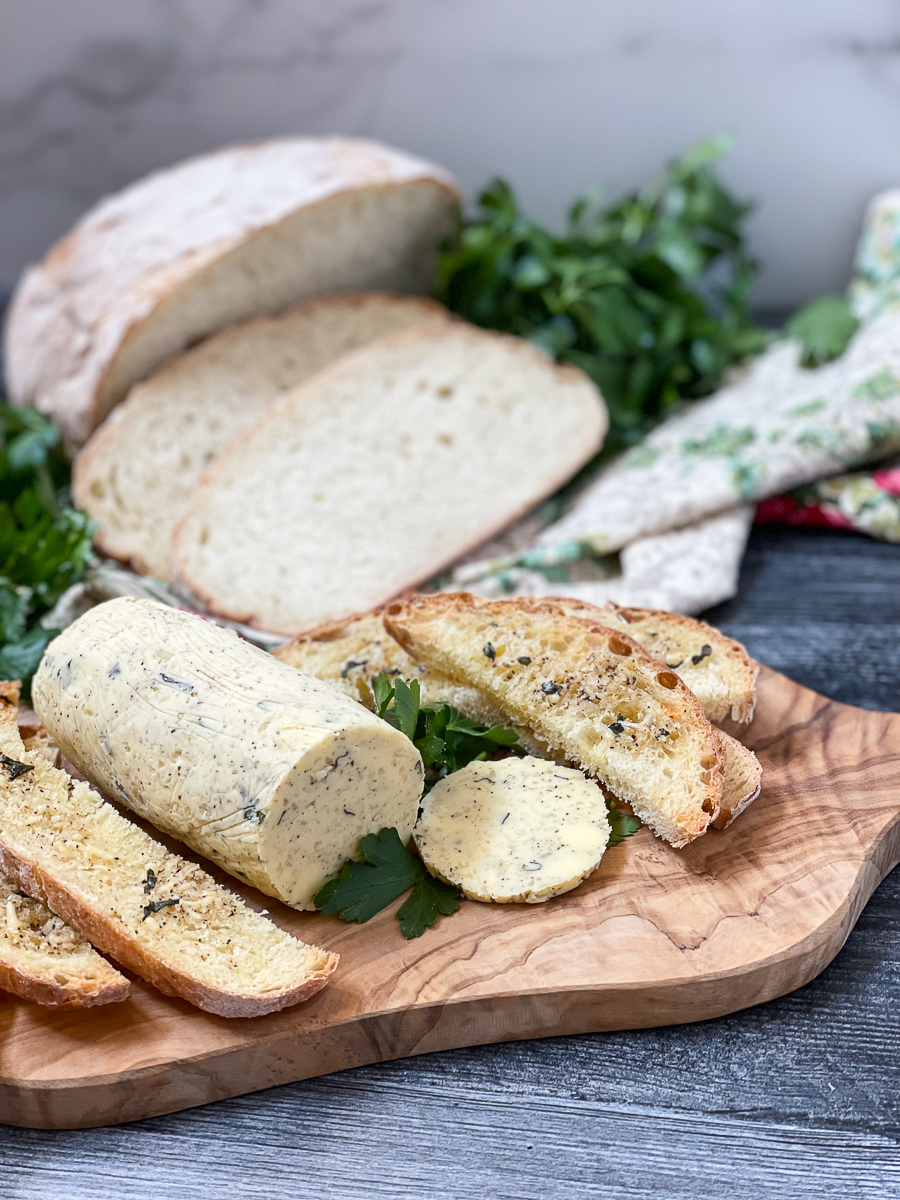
(271, 774)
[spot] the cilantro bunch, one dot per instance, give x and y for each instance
(648, 295)
(45, 546)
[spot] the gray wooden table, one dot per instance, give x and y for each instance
(797, 1098)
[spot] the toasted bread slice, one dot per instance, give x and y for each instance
(349, 654)
(589, 692)
(45, 960)
(154, 912)
(743, 780)
(517, 831)
(717, 669)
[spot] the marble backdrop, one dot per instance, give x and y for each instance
(556, 95)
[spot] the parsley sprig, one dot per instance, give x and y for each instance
(649, 294)
(45, 546)
(445, 737)
(362, 889)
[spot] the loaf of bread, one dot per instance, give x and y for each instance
(154, 912)
(271, 774)
(520, 830)
(588, 692)
(138, 471)
(241, 232)
(380, 471)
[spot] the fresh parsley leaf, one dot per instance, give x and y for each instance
(648, 294)
(405, 712)
(622, 825)
(383, 691)
(823, 327)
(362, 889)
(445, 737)
(429, 899)
(20, 659)
(45, 546)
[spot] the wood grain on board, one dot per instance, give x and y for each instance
(655, 937)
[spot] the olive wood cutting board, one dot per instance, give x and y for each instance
(656, 937)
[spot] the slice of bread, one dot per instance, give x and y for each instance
(137, 473)
(153, 911)
(589, 692)
(380, 471)
(516, 831)
(350, 653)
(743, 780)
(241, 232)
(717, 669)
(45, 960)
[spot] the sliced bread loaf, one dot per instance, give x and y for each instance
(380, 471)
(241, 232)
(153, 911)
(138, 471)
(588, 692)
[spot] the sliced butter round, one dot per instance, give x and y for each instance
(515, 831)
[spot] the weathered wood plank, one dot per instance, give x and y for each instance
(348, 1140)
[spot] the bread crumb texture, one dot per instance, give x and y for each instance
(519, 830)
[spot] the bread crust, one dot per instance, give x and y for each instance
(442, 606)
(78, 912)
(593, 440)
(743, 780)
(61, 995)
(73, 315)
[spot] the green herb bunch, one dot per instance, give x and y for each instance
(648, 295)
(45, 545)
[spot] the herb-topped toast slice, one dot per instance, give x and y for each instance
(47, 961)
(717, 669)
(350, 653)
(589, 692)
(153, 911)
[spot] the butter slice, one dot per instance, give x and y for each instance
(271, 774)
(515, 831)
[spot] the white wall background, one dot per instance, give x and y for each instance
(556, 95)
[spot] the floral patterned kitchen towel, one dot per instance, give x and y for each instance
(779, 427)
